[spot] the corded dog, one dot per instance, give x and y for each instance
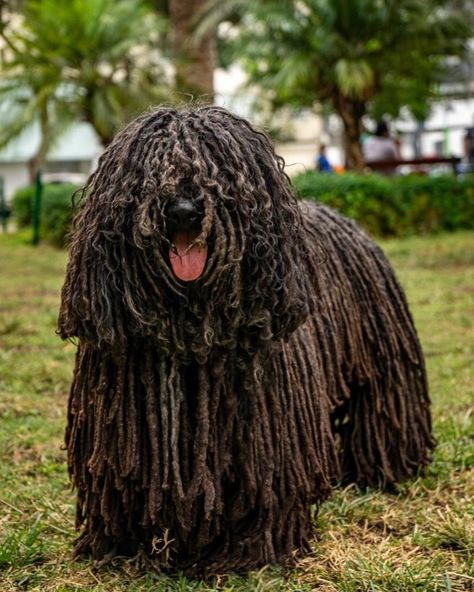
(240, 352)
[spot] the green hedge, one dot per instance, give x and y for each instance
(395, 206)
(56, 210)
(22, 206)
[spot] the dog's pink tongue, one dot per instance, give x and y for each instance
(187, 262)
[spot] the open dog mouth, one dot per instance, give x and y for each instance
(187, 255)
(188, 250)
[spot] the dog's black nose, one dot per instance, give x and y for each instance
(183, 213)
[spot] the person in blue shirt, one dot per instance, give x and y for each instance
(322, 163)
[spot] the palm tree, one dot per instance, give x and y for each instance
(353, 55)
(90, 60)
(194, 58)
(29, 95)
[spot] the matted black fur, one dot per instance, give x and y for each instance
(207, 417)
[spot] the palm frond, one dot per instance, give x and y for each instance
(355, 78)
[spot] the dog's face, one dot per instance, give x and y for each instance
(189, 234)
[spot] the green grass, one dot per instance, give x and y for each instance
(419, 539)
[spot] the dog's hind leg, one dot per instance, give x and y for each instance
(381, 415)
(384, 436)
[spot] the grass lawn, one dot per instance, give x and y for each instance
(420, 539)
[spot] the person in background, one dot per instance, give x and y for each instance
(469, 148)
(322, 163)
(381, 146)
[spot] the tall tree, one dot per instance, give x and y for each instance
(194, 58)
(28, 95)
(90, 60)
(357, 56)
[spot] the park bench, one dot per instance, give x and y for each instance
(384, 165)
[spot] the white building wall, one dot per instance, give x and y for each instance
(15, 175)
(446, 124)
(455, 116)
(300, 154)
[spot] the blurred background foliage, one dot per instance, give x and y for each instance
(357, 56)
(105, 61)
(86, 60)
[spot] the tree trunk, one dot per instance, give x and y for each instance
(351, 112)
(37, 161)
(195, 60)
(104, 132)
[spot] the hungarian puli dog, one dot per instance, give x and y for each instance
(240, 352)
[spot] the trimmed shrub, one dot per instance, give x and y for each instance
(22, 206)
(56, 210)
(394, 206)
